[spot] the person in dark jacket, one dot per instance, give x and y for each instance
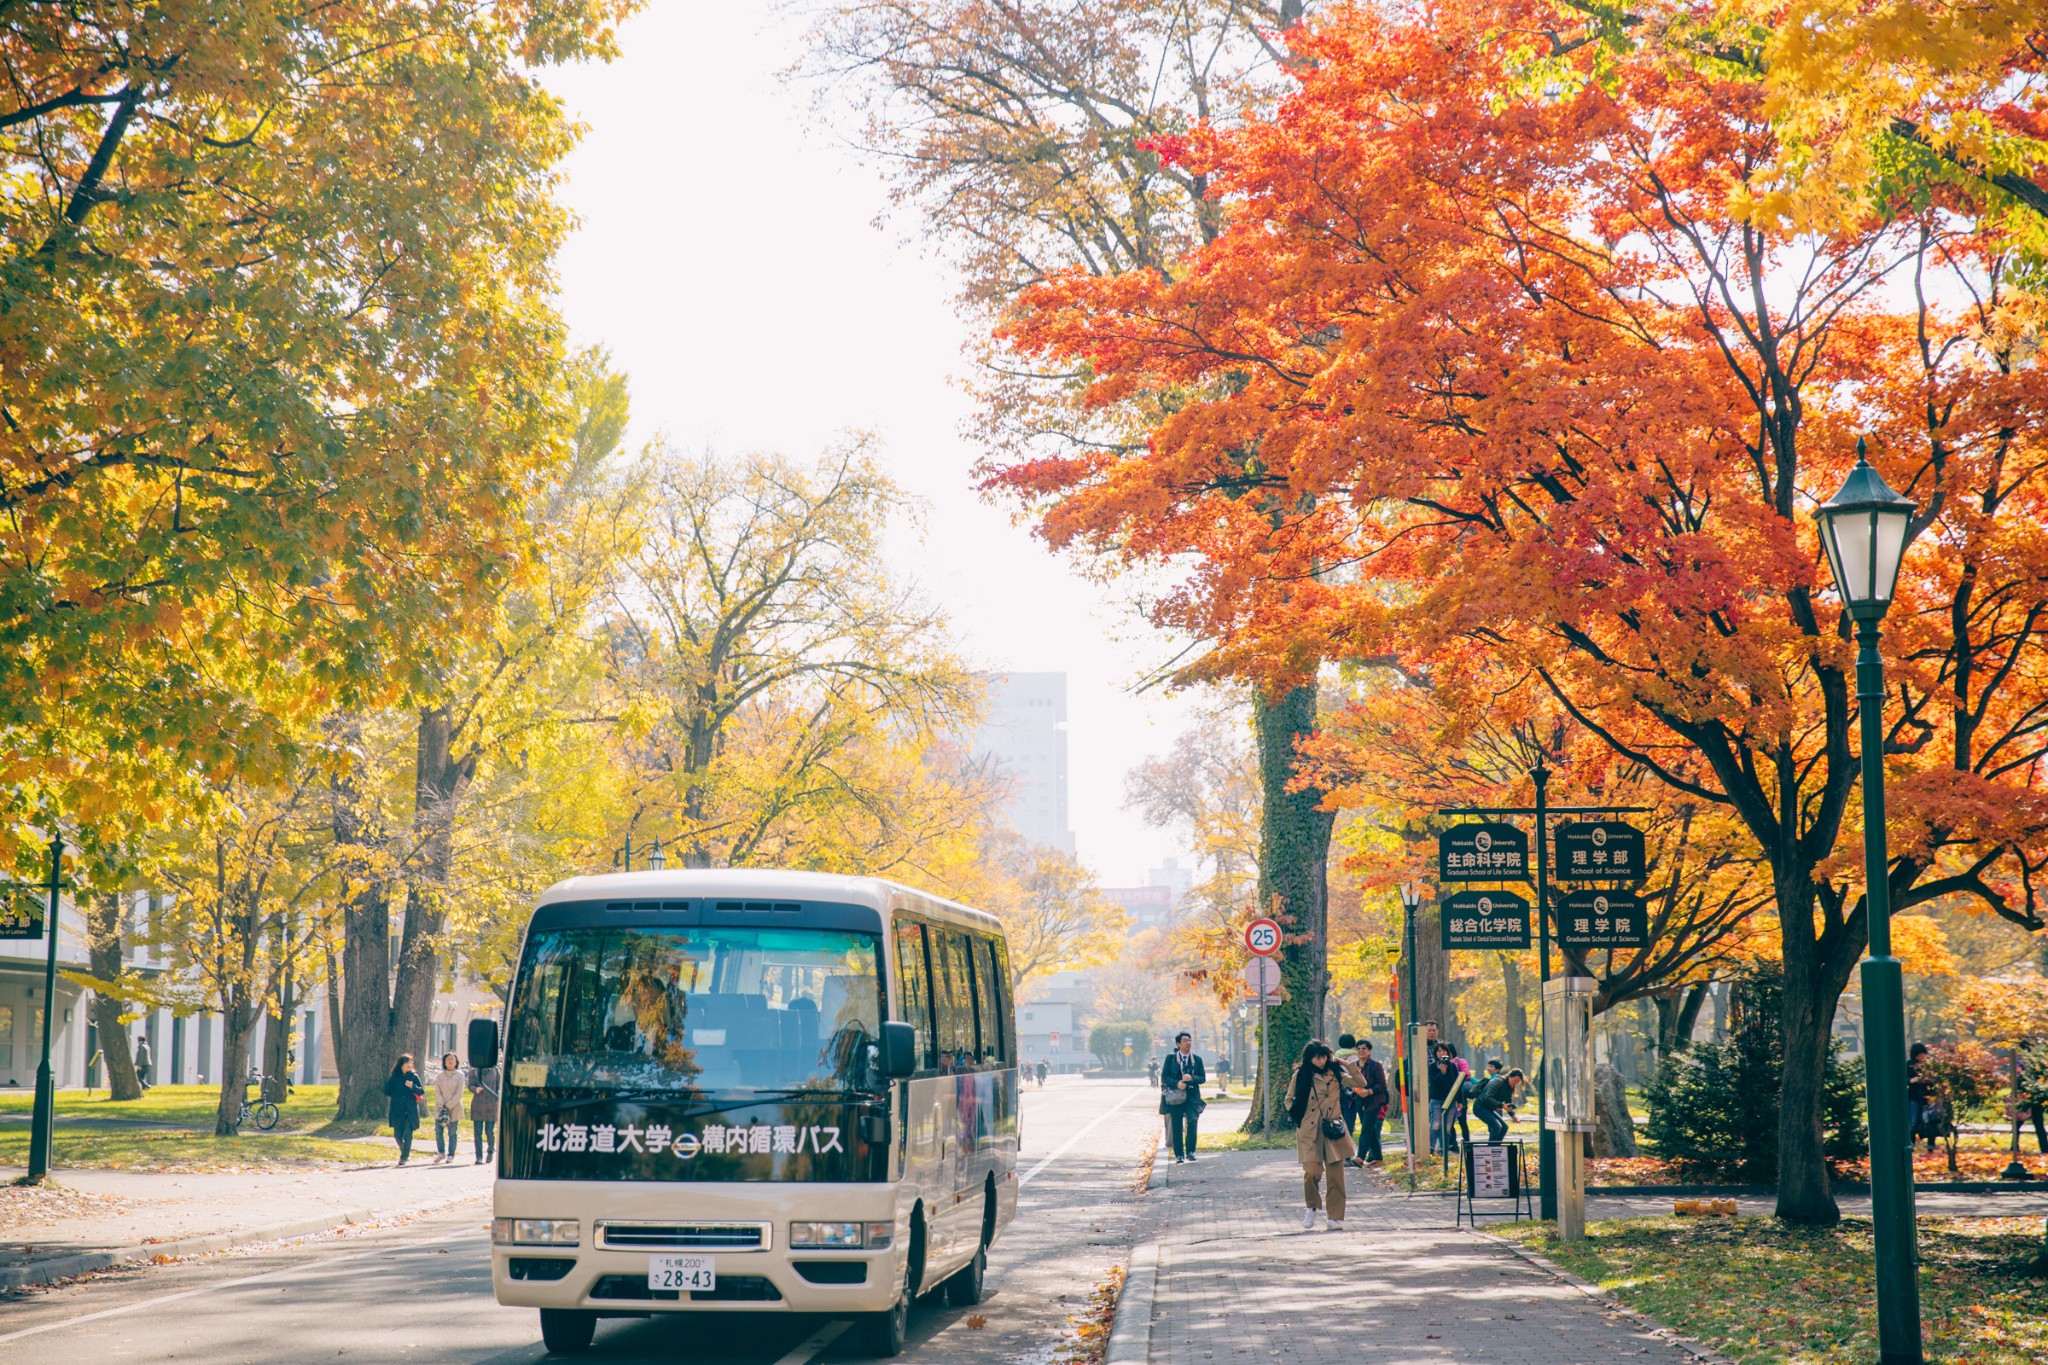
(485, 1083)
(1496, 1094)
(1443, 1083)
(405, 1091)
(1920, 1107)
(1180, 1095)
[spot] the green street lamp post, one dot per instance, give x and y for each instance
(43, 1122)
(1864, 529)
(1417, 1086)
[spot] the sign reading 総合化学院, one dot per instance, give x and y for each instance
(1599, 851)
(1602, 919)
(1484, 919)
(1485, 852)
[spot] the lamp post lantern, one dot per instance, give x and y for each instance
(656, 859)
(1864, 529)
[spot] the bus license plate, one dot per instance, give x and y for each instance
(682, 1273)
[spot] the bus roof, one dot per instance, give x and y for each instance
(739, 883)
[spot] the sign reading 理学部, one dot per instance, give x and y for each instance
(1485, 919)
(1599, 851)
(1486, 852)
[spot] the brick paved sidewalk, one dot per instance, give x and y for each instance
(1240, 1283)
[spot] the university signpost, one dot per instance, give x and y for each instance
(43, 1124)
(1493, 851)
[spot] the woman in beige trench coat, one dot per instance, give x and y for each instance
(1313, 1096)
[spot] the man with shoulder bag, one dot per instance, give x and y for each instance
(1180, 1095)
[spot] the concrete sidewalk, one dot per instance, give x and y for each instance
(94, 1219)
(1238, 1282)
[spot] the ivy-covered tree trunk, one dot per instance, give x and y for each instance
(1294, 859)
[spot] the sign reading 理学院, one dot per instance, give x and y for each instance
(1487, 852)
(1602, 919)
(1485, 919)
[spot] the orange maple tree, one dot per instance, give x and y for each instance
(1483, 374)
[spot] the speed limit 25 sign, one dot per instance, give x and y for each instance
(1262, 937)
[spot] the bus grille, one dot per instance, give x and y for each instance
(682, 1236)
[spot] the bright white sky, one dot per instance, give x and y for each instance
(730, 259)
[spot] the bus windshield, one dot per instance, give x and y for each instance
(696, 1009)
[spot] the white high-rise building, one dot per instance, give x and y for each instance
(1025, 734)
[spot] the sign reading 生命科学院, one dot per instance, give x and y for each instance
(1485, 919)
(1602, 919)
(1487, 852)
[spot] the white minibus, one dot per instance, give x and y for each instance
(753, 1092)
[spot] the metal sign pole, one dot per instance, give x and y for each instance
(1546, 1144)
(1266, 1061)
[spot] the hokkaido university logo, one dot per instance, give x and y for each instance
(656, 1138)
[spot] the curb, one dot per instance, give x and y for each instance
(57, 1268)
(1607, 1301)
(1130, 1335)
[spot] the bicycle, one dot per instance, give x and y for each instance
(263, 1113)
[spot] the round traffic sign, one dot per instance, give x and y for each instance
(1262, 937)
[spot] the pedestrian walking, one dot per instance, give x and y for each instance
(1042, 1070)
(1372, 1104)
(1180, 1096)
(143, 1060)
(1920, 1107)
(449, 1083)
(1152, 1071)
(485, 1083)
(1223, 1071)
(403, 1089)
(1315, 1104)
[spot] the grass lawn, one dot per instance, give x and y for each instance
(185, 1106)
(1766, 1294)
(181, 1149)
(180, 1136)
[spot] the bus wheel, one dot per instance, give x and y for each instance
(567, 1331)
(963, 1287)
(885, 1331)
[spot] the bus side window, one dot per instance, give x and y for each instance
(914, 987)
(990, 989)
(955, 998)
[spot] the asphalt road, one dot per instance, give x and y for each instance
(421, 1291)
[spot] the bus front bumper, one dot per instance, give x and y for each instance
(623, 1226)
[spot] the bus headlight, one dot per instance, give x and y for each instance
(841, 1236)
(536, 1232)
(825, 1236)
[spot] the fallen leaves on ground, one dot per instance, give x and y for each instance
(1091, 1326)
(1766, 1293)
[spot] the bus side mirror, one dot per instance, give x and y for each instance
(483, 1042)
(899, 1050)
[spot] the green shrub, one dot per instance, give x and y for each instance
(1714, 1106)
(1107, 1042)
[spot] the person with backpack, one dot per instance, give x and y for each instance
(1496, 1093)
(485, 1083)
(1316, 1106)
(1371, 1103)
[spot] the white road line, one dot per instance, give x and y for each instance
(280, 1273)
(801, 1353)
(1061, 1150)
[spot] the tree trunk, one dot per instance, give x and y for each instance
(438, 784)
(277, 1040)
(362, 1023)
(1294, 851)
(1517, 1012)
(103, 944)
(1614, 1129)
(1816, 971)
(237, 1022)
(1688, 1017)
